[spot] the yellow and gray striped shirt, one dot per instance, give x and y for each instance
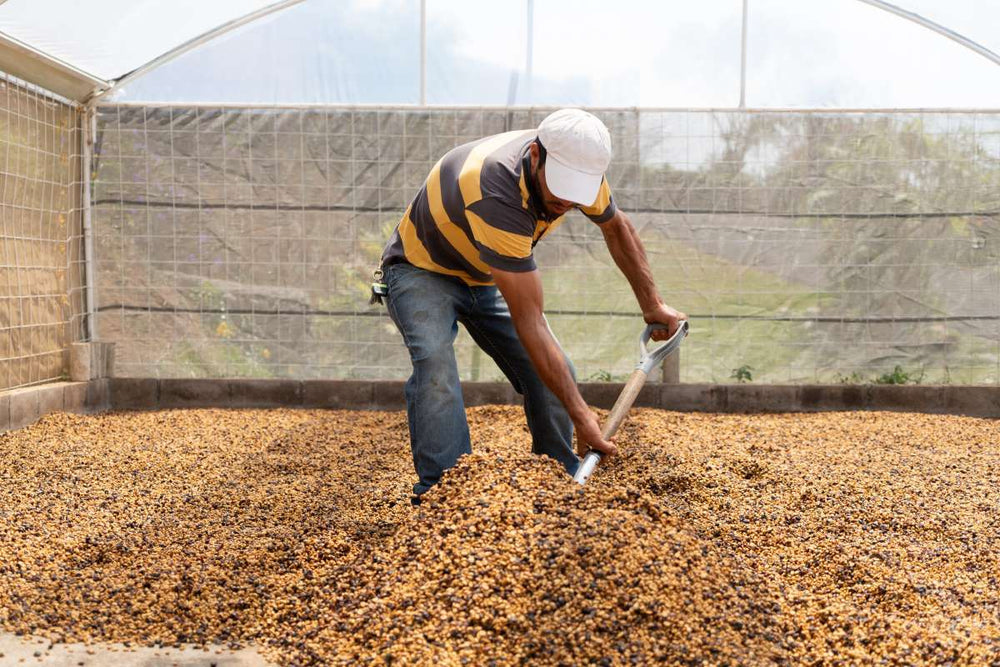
(476, 212)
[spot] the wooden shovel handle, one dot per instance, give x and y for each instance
(624, 403)
(625, 400)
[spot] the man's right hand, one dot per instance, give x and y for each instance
(588, 436)
(523, 293)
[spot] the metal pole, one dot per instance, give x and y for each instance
(423, 52)
(743, 60)
(528, 54)
(89, 132)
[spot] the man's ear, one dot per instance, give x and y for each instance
(533, 151)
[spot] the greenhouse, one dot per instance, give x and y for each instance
(212, 430)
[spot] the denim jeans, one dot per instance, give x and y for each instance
(426, 308)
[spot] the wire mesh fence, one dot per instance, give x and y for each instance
(807, 246)
(41, 260)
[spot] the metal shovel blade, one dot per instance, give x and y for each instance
(647, 362)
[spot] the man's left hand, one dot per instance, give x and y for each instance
(665, 315)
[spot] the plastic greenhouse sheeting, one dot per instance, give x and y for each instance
(849, 54)
(314, 52)
(647, 53)
(112, 37)
(643, 53)
(975, 19)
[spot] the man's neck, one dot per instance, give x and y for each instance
(535, 200)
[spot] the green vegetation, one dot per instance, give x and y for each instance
(898, 376)
(742, 374)
(854, 378)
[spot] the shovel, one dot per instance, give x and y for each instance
(647, 362)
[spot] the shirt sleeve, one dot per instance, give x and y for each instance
(502, 234)
(604, 208)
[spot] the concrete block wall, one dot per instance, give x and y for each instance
(22, 407)
(91, 361)
(152, 394)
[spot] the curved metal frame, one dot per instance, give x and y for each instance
(249, 18)
(192, 44)
(936, 27)
(99, 91)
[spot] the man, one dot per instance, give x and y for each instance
(463, 253)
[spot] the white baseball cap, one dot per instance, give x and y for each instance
(578, 148)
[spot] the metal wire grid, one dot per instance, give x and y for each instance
(809, 246)
(289, 199)
(41, 306)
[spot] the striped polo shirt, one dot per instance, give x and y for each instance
(476, 211)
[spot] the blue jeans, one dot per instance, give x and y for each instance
(426, 308)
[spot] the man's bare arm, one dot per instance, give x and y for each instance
(630, 256)
(523, 293)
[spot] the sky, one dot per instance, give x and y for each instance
(650, 53)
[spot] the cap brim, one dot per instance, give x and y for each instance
(572, 185)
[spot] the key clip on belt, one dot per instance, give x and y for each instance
(379, 288)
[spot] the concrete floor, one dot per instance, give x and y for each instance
(16, 650)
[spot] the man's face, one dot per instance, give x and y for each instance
(553, 204)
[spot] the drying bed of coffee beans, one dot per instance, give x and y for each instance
(837, 538)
